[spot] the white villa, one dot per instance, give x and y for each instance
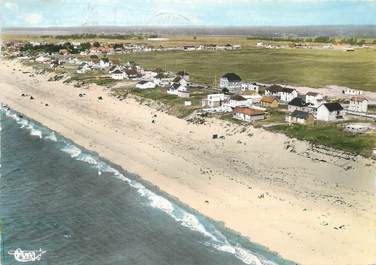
(145, 85)
(214, 100)
(358, 104)
(231, 81)
(249, 87)
(176, 88)
(148, 74)
(330, 112)
(314, 98)
(118, 75)
(237, 101)
(352, 92)
(179, 79)
(282, 93)
(104, 64)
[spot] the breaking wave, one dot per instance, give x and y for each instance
(215, 238)
(51, 137)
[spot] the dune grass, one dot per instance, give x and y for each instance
(175, 104)
(332, 135)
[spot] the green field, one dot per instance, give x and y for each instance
(303, 67)
(333, 135)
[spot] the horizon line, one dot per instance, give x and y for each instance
(189, 26)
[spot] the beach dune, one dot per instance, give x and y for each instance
(307, 210)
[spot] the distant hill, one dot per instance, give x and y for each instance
(364, 31)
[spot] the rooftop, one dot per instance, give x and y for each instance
(300, 114)
(268, 99)
(277, 88)
(232, 77)
(249, 111)
(334, 106)
(312, 94)
(238, 98)
(358, 99)
(298, 102)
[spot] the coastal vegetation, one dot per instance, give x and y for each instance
(332, 135)
(175, 105)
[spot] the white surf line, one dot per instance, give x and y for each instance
(215, 238)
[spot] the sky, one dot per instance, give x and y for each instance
(47, 13)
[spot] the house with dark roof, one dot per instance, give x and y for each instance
(145, 84)
(330, 112)
(132, 73)
(118, 75)
(314, 98)
(282, 93)
(297, 104)
(179, 79)
(237, 101)
(178, 89)
(300, 117)
(232, 82)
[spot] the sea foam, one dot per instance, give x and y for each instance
(215, 238)
(72, 150)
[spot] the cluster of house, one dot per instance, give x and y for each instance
(244, 100)
(140, 47)
(270, 45)
(175, 83)
(98, 49)
(210, 47)
(82, 65)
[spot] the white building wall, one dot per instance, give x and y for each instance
(358, 106)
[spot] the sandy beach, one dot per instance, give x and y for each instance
(310, 207)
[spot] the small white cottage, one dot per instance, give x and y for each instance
(231, 81)
(118, 75)
(313, 98)
(214, 100)
(237, 101)
(282, 93)
(330, 112)
(358, 104)
(145, 85)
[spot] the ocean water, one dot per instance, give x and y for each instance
(75, 208)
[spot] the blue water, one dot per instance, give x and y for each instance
(79, 209)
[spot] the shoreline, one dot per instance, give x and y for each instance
(256, 187)
(243, 249)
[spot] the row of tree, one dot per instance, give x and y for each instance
(55, 48)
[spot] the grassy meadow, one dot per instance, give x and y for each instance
(302, 67)
(333, 135)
